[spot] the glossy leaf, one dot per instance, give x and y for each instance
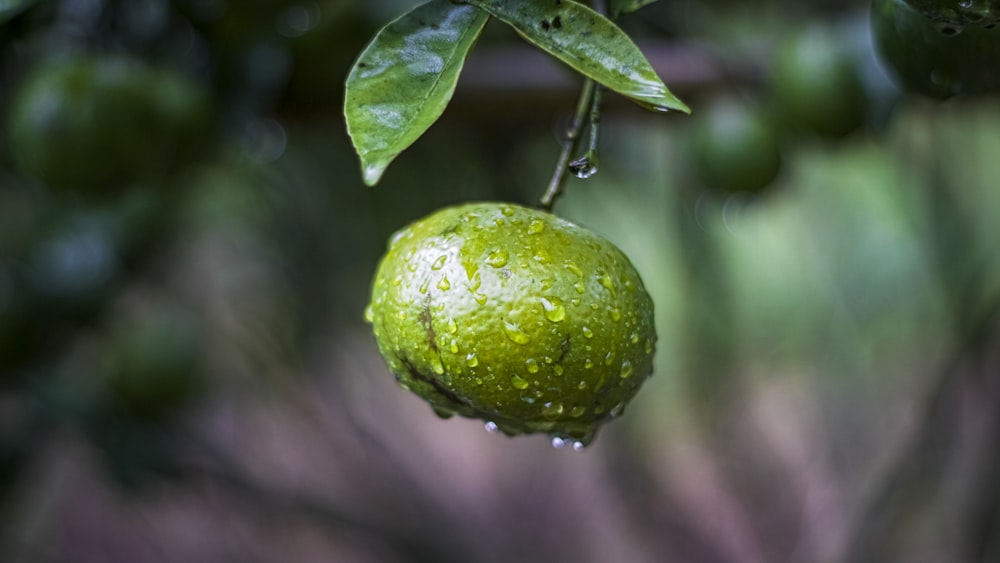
(590, 43)
(626, 6)
(403, 80)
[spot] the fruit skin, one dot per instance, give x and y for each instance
(735, 147)
(514, 316)
(936, 57)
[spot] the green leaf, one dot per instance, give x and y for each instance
(626, 6)
(405, 78)
(590, 43)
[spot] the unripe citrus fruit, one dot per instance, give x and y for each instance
(940, 48)
(735, 147)
(513, 316)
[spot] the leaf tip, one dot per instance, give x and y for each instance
(371, 172)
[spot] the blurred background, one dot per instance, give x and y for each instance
(186, 249)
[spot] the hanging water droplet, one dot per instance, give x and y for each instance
(626, 370)
(439, 263)
(444, 284)
(583, 167)
(472, 360)
(578, 446)
(558, 442)
(515, 333)
(498, 258)
(555, 311)
(369, 313)
(518, 382)
(536, 226)
(491, 427)
(531, 364)
(617, 410)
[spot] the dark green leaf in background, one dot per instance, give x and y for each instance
(590, 43)
(403, 80)
(9, 9)
(626, 6)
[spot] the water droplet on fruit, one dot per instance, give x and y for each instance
(547, 284)
(425, 285)
(444, 284)
(453, 346)
(607, 282)
(552, 409)
(582, 385)
(507, 210)
(579, 287)
(617, 410)
(436, 365)
(536, 226)
(587, 364)
(491, 427)
(514, 333)
(452, 326)
(542, 257)
(587, 332)
(578, 411)
(518, 382)
(531, 364)
(648, 347)
(572, 267)
(608, 358)
(575, 302)
(439, 263)
(616, 314)
(555, 311)
(369, 313)
(480, 298)
(558, 369)
(626, 370)
(634, 338)
(498, 258)
(472, 360)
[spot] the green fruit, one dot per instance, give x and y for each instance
(152, 363)
(940, 49)
(816, 86)
(513, 316)
(95, 125)
(735, 147)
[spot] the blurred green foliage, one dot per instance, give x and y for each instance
(825, 382)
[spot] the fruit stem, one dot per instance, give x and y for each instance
(587, 114)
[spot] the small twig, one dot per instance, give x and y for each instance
(588, 114)
(571, 145)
